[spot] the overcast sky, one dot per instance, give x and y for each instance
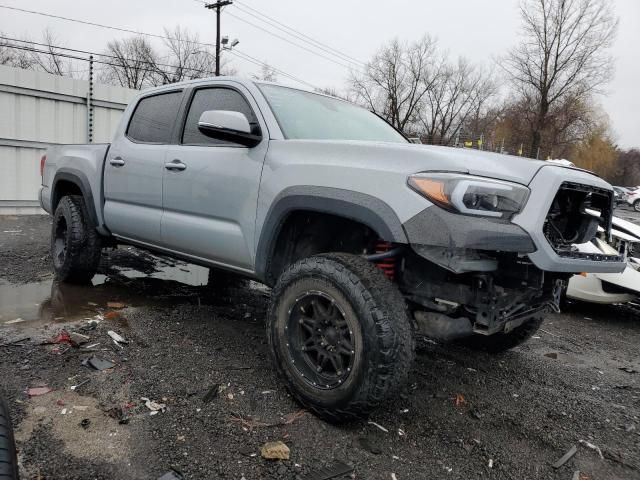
(478, 30)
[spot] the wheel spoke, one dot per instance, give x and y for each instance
(336, 361)
(321, 310)
(308, 324)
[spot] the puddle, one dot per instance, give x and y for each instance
(156, 281)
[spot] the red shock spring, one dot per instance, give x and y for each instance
(387, 265)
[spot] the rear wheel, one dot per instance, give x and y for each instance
(636, 205)
(501, 342)
(339, 335)
(8, 460)
(75, 243)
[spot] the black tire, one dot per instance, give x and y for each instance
(501, 342)
(8, 459)
(370, 311)
(75, 244)
(220, 279)
(636, 205)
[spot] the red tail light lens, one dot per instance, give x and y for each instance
(43, 160)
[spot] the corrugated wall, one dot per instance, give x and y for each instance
(38, 109)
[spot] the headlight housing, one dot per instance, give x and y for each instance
(471, 195)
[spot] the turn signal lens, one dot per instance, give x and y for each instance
(471, 195)
(43, 160)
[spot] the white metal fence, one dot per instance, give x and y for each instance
(37, 110)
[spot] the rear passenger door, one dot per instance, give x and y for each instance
(135, 166)
(210, 204)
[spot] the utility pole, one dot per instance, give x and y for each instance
(217, 6)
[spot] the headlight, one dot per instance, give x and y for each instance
(471, 195)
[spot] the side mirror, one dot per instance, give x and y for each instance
(229, 126)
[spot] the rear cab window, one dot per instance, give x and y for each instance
(154, 118)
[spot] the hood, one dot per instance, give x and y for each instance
(412, 158)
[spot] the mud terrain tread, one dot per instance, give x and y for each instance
(8, 460)
(363, 283)
(84, 249)
(502, 342)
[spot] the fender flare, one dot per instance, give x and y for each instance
(79, 179)
(360, 207)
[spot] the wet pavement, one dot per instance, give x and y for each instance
(202, 353)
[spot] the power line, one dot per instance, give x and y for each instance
(106, 55)
(290, 42)
(295, 33)
(236, 52)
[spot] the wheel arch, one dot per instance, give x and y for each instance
(68, 181)
(346, 205)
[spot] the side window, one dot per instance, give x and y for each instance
(153, 119)
(214, 99)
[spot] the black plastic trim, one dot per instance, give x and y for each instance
(357, 206)
(79, 179)
(437, 227)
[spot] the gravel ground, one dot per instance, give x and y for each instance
(464, 415)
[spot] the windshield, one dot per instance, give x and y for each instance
(309, 116)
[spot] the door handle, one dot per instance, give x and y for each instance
(175, 165)
(117, 162)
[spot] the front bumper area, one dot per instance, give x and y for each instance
(544, 187)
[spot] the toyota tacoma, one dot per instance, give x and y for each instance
(365, 238)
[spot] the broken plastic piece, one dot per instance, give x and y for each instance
(116, 337)
(155, 407)
(378, 426)
(172, 475)
(38, 391)
(566, 457)
(98, 363)
(337, 469)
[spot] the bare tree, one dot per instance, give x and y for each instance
(564, 53)
(395, 81)
(52, 61)
(186, 58)
(267, 74)
(460, 92)
(130, 63)
(14, 55)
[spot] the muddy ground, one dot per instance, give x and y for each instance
(464, 415)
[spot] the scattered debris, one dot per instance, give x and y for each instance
(172, 474)
(275, 451)
(490, 465)
(75, 387)
(566, 457)
(552, 355)
(78, 338)
(460, 400)
(116, 305)
(592, 447)
(16, 343)
(38, 391)
(98, 363)
(112, 315)
(64, 411)
(155, 407)
(119, 414)
(368, 444)
(336, 469)
(248, 451)
(628, 369)
(393, 476)
(401, 432)
(117, 339)
(85, 423)
(289, 418)
(378, 426)
(11, 322)
(63, 338)
(211, 393)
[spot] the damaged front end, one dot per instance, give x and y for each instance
(507, 293)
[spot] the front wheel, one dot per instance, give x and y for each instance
(8, 460)
(339, 335)
(501, 342)
(75, 243)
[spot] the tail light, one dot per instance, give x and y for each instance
(43, 160)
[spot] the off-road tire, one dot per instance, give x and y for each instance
(501, 342)
(8, 460)
(636, 205)
(83, 244)
(220, 279)
(383, 330)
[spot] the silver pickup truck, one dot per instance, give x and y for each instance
(365, 238)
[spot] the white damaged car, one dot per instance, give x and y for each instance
(609, 288)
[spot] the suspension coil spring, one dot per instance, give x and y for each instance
(387, 265)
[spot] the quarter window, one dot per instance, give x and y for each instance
(214, 99)
(153, 118)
